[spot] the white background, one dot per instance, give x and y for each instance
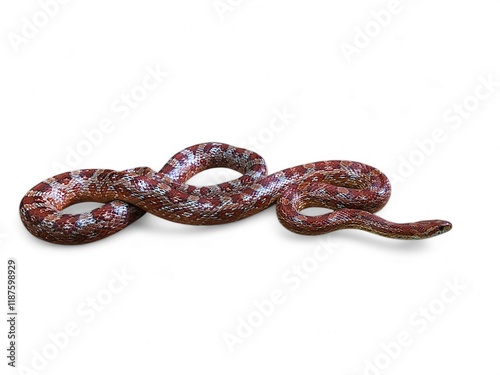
(230, 70)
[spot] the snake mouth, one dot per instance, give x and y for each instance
(445, 227)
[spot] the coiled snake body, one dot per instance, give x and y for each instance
(354, 191)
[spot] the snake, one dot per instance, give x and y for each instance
(352, 191)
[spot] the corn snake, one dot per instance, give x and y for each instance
(354, 191)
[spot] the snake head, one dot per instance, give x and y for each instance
(435, 227)
(444, 227)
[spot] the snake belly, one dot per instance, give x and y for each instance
(354, 191)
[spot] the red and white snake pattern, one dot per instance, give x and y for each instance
(354, 191)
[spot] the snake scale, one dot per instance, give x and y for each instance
(354, 191)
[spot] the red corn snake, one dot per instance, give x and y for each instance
(354, 191)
